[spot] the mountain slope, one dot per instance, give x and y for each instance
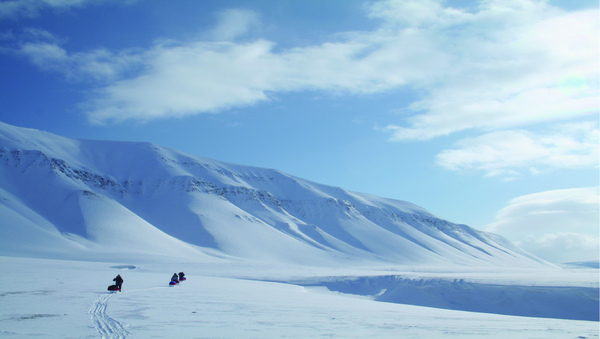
(63, 197)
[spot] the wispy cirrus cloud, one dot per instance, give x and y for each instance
(100, 65)
(559, 225)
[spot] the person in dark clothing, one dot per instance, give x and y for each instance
(181, 275)
(175, 278)
(118, 281)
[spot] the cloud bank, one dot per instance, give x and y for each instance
(559, 225)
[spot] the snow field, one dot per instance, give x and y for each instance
(67, 299)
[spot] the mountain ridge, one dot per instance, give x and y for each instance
(98, 199)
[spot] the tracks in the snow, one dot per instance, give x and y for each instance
(105, 325)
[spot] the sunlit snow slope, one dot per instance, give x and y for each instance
(99, 200)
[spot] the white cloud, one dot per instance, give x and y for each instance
(416, 13)
(188, 79)
(509, 154)
(99, 64)
(234, 23)
(45, 50)
(44, 55)
(514, 63)
(559, 226)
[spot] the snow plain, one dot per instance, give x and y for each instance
(237, 299)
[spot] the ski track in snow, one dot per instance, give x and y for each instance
(105, 325)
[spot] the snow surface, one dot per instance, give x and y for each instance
(68, 299)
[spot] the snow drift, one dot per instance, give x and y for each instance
(102, 200)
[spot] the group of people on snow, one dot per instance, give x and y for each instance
(177, 277)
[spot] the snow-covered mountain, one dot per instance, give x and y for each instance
(102, 200)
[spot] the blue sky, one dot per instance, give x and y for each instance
(482, 112)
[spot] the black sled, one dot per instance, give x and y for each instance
(114, 288)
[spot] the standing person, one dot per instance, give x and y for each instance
(118, 281)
